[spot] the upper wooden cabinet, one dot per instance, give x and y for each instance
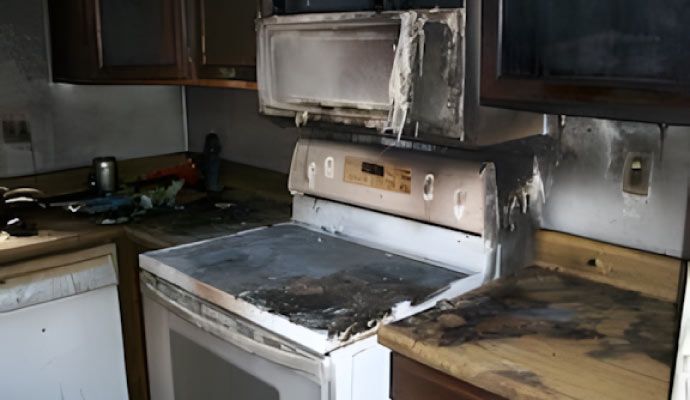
(621, 59)
(153, 41)
(225, 39)
(140, 39)
(73, 40)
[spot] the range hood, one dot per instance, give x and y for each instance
(413, 74)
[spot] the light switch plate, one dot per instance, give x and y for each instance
(15, 129)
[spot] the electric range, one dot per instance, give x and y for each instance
(290, 311)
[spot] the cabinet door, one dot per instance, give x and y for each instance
(411, 380)
(621, 59)
(226, 39)
(73, 40)
(139, 39)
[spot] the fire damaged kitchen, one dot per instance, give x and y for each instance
(344, 200)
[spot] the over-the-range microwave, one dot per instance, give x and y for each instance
(413, 74)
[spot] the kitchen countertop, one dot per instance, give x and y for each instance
(547, 335)
(60, 230)
(259, 197)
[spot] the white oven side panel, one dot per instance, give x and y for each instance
(361, 371)
(186, 362)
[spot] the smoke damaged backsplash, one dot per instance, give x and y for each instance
(246, 136)
(586, 196)
(71, 124)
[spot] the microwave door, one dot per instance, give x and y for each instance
(327, 67)
(397, 72)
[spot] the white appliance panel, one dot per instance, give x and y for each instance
(69, 348)
(440, 190)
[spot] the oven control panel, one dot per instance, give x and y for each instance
(424, 186)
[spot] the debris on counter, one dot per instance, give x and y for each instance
(123, 207)
(165, 197)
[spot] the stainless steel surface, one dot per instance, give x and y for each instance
(426, 86)
(587, 197)
(105, 169)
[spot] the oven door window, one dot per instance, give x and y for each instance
(218, 379)
(206, 367)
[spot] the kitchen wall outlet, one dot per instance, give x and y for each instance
(15, 129)
(637, 172)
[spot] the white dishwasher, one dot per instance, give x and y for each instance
(60, 331)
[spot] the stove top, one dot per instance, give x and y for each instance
(314, 279)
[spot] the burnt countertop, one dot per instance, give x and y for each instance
(60, 230)
(547, 335)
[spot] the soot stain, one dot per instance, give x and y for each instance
(651, 334)
(339, 303)
(203, 218)
(551, 304)
(527, 377)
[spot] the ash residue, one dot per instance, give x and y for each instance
(342, 303)
(315, 279)
(527, 377)
(651, 334)
(203, 220)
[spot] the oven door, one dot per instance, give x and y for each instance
(195, 351)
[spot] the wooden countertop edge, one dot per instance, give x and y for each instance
(98, 235)
(66, 243)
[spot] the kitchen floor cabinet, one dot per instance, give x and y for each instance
(411, 380)
(194, 42)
